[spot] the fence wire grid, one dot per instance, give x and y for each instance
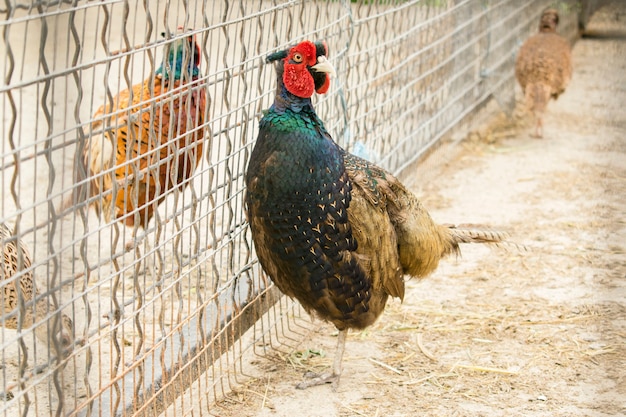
(163, 316)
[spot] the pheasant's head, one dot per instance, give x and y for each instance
(549, 21)
(183, 58)
(304, 68)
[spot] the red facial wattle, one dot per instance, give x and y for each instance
(296, 75)
(298, 81)
(324, 88)
(197, 54)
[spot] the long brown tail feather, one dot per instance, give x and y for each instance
(477, 234)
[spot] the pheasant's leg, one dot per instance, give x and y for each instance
(133, 242)
(538, 127)
(341, 345)
(330, 377)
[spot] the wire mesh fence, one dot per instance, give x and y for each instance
(163, 305)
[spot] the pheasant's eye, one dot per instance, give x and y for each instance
(297, 58)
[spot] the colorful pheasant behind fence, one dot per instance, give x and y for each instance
(149, 140)
(16, 259)
(332, 230)
(543, 67)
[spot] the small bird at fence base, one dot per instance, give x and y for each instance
(543, 67)
(15, 259)
(332, 230)
(148, 141)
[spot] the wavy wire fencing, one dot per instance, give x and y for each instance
(163, 317)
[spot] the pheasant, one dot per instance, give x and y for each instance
(12, 251)
(543, 67)
(332, 230)
(148, 140)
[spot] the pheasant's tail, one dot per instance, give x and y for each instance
(93, 158)
(78, 195)
(479, 234)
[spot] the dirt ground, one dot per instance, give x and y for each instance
(498, 332)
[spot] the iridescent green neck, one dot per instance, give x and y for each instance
(284, 99)
(176, 60)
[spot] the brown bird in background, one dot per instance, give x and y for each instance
(332, 230)
(15, 259)
(148, 140)
(543, 67)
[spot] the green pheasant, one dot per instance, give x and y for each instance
(332, 230)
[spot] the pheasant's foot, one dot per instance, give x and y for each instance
(134, 242)
(538, 129)
(314, 379)
(537, 134)
(130, 245)
(329, 377)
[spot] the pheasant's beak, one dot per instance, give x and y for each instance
(324, 66)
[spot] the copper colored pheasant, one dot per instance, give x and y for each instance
(149, 140)
(543, 67)
(15, 258)
(332, 230)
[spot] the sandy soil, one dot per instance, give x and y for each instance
(498, 332)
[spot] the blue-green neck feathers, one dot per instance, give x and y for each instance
(296, 136)
(284, 99)
(303, 157)
(177, 58)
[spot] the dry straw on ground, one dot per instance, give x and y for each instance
(497, 332)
